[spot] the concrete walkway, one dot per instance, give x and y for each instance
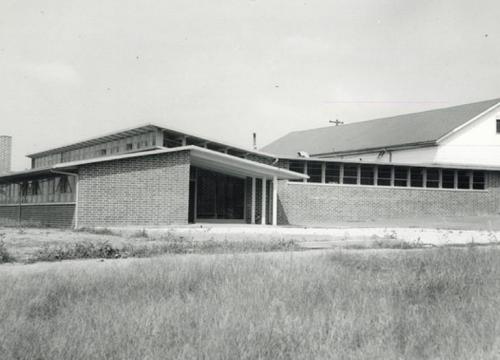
(324, 237)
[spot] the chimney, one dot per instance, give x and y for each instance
(5, 153)
(255, 141)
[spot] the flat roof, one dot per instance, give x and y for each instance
(142, 129)
(204, 158)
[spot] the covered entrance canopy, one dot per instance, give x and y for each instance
(217, 190)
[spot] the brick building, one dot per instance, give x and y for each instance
(443, 162)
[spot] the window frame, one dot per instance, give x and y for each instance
(401, 181)
(363, 177)
(350, 177)
(314, 166)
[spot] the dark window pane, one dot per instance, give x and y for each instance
(432, 178)
(297, 166)
(350, 174)
(463, 179)
(478, 180)
(34, 187)
(332, 173)
(400, 176)
(416, 177)
(367, 175)
(384, 175)
(498, 126)
(314, 170)
(448, 179)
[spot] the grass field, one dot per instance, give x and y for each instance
(385, 304)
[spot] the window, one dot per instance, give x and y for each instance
(142, 144)
(102, 152)
(400, 176)
(315, 171)
(498, 126)
(24, 188)
(4, 193)
(463, 179)
(432, 178)
(64, 185)
(448, 179)
(478, 180)
(129, 147)
(350, 174)
(34, 187)
(417, 177)
(297, 166)
(384, 176)
(367, 175)
(332, 173)
(115, 149)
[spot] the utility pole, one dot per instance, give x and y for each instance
(337, 122)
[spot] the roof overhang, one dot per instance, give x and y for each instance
(203, 158)
(231, 165)
(24, 175)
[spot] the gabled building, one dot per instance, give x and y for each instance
(443, 162)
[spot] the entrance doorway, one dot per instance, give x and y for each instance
(216, 197)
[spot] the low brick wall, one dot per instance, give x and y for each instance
(146, 191)
(54, 215)
(316, 204)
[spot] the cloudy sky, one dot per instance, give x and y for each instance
(74, 69)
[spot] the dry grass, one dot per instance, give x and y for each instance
(30, 245)
(424, 304)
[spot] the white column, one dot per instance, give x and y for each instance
(263, 215)
(275, 200)
(252, 212)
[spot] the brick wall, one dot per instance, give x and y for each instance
(150, 190)
(54, 215)
(5, 153)
(313, 204)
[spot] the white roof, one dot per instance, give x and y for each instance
(207, 159)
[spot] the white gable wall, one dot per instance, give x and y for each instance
(476, 143)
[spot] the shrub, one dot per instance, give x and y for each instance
(5, 256)
(78, 250)
(97, 231)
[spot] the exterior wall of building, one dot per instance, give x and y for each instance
(5, 154)
(328, 204)
(54, 215)
(151, 190)
(425, 155)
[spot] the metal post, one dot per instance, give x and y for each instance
(275, 200)
(264, 197)
(252, 214)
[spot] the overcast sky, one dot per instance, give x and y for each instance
(74, 69)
